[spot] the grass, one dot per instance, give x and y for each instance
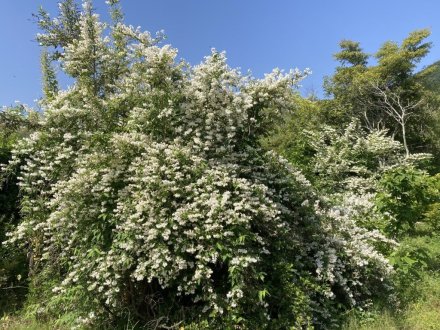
(422, 314)
(421, 297)
(384, 321)
(17, 323)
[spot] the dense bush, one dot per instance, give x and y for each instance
(15, 123)
(411, 197)
(146, 196)
(367, 177)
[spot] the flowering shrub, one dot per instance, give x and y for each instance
(352, 159)
(147, 196)
(354, 171)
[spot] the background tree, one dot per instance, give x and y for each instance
(378, 95)
(393, 104)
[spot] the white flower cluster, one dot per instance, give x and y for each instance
(352, 252)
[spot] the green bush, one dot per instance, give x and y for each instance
(410, 196)
(15, 124)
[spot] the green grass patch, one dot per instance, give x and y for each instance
(419, 292)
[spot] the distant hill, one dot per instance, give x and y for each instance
(430, 77)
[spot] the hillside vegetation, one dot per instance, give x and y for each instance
(430, 77)
(153, 194)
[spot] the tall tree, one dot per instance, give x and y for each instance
(382, 95)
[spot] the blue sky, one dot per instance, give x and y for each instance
(256, 34)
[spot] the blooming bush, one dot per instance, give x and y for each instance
(366, 173)
(146, 196)
(352, 159)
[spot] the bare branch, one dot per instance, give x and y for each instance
(392, 104)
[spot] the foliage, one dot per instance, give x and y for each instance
(386, 95)
(430, 77)
(369, 171)
(345, 165)
(411, 196)
(343, 157)
(61, 31)
(418, 285)
(289, 137)
(15, 123)
(50, 83)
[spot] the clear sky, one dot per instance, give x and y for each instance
(256, 34)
